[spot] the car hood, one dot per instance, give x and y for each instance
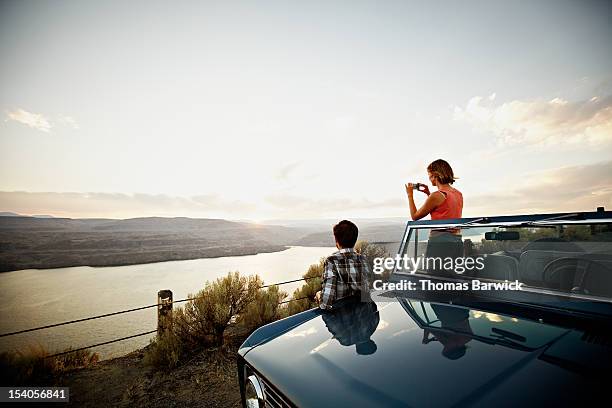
(412, 353)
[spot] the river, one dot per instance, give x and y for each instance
(38, 297)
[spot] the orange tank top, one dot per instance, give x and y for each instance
(452, 207)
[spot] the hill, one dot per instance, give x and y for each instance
(29, 242)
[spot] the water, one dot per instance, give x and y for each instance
(38, 297)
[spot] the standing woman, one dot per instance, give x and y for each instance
(445, 203)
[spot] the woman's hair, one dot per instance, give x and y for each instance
(442, 171)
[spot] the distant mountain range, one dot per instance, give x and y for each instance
(49, 242)
(12, 214)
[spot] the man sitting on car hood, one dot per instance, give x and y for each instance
(346, 272)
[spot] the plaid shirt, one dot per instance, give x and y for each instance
(345, 273)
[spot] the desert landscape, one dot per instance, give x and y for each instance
(28, 242)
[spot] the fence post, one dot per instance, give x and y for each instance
(164, 311)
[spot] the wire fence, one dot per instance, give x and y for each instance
(135, 310)
(78, 320)
(143, 308)
(101, 344)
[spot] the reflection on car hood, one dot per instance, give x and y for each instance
(413, 353)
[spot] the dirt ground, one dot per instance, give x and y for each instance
(208, 379)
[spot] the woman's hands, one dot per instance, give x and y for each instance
(409, 189)
(432, 201)
(422, 188)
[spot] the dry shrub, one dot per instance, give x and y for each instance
(371, 252)
(76, 359)
(165, 351)
(265, 308)
(33, 366)
(203, 321)
(308, 290)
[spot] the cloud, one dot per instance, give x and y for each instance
(39, 121)
(305, 206)
(214, 202)
(119, 205)
(33, 120)
(68, 121)
(572, 188)
(541, 122)
(344, 122)
(284, 172)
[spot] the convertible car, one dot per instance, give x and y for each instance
(549, 343)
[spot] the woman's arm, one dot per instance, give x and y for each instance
(432, 201)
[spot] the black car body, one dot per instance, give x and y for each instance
(547, 344)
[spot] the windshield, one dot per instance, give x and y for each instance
(567, 258)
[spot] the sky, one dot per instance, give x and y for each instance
(262, 110)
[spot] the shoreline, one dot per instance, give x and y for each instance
(60, 265)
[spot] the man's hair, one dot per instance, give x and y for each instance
(346, 233)
(441, 170)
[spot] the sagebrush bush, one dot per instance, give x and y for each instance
(371, 252)
(264, 308)
(165, 351)
(33, 366)
(76, 359)
(309, 289)
(204, 320)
